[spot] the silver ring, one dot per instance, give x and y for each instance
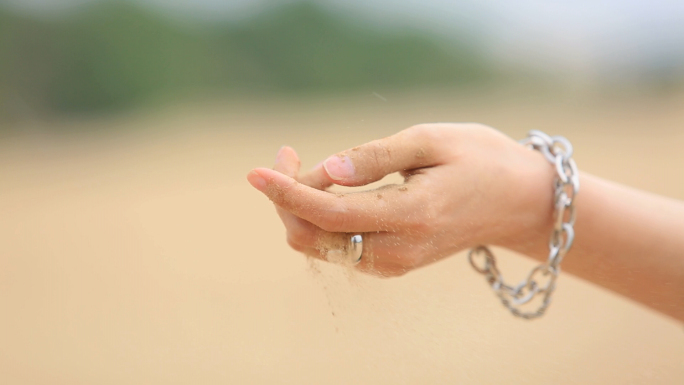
(356, 248)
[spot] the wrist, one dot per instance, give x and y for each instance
(534, 208)
(531, 217)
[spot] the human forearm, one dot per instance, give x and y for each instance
(468, 185)
(627, 241)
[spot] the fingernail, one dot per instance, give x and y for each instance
(339, 167)
(257, 181)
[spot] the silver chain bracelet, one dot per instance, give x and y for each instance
(558, 151)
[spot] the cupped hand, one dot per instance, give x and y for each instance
(464, 185)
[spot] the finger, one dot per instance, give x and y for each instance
(391, 254)
(387, 208)
(330, 247)
(313, 241)
(302, 232)
(409, 149)
(301, 235)
(287, 162)
(384, 254)
(317, 178)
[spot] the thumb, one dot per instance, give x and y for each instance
(407, 150)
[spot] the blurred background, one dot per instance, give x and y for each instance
(133, 250)
(83, 57)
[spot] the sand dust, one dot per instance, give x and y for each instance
(334, 246)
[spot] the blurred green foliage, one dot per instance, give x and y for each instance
(114, 55)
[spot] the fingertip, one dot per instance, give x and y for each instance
(287, 161)
(273, 177)
(282, 151)
(290, 150)
(294, 157)
(257, 180)
(286, 151)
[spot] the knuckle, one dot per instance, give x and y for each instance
(424, 220)
(417, 128)
(433, 212)
(423, 132)
(380, 154)
(434, 138)
(421, 223)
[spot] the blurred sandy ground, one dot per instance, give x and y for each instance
(132, 250)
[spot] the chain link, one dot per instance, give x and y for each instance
(541, 281)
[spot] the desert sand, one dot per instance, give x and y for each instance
(133, 251)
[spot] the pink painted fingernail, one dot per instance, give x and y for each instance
(339, 167)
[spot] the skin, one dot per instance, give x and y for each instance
(467, 185)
